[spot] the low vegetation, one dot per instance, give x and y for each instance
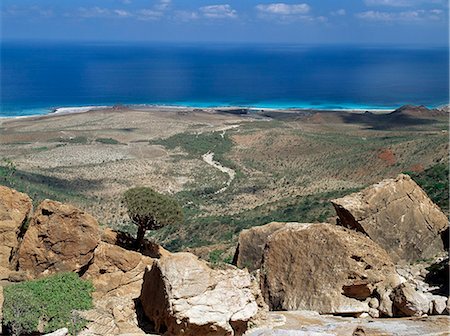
(205, 230)
(40, 186)
(49, 303)
(82, 140)
(434, 181)
(107, 141)
(287, 168)
(196, 144)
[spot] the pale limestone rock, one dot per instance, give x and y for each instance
(322, 267)
(115, 271)
(183, 296)
(59, 332)
(112, 315)
(439, 304)
(384, 291)
(398, 215)
(409, 302)
(251, 244)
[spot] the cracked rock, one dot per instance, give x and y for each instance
(325, 268)
(14, 209)
(60, 238)
(183, 296)
(398, 215)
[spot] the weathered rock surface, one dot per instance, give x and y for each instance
(59, 332)
(183, 296)
(112, 315)
(14, 210)
(325, 268)
(397, 215)
(251, 244)
(308, 323)
(428, 280)
(409, 302)
(60, 238)
(115, 271)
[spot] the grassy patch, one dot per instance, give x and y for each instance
(41, 149)
(50, 302)
(199, 144)
(73, 140)
(40, 187)
(107, 141)
(434, 181)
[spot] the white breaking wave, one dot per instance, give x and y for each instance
(77, 109)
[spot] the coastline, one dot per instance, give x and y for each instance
(211, 107)
(48, 112)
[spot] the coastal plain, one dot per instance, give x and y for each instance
(229, 168)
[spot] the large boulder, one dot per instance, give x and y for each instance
(60, 238)
(325, 268)
(115, 271)
(183, 296)
(398, 215)
(14, 210)
(251, 244)
(410, 302)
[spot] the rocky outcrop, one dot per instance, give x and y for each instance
(251, 244)
(308, 323)
(128, 242)
(325, 268)
(60, 238)
(14, 210)
(397, 215)
(112, 315)
(183, 296)
(115, 271)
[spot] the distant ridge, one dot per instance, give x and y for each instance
(419, 112)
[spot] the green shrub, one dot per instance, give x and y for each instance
(107, 141)
(215, 256)
(72, 140)
(49, 301)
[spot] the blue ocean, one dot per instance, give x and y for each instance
(38, 77)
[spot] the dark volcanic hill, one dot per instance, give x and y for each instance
(412, 111)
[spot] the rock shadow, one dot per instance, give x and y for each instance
(143, 321)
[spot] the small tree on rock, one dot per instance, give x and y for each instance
(150, 210)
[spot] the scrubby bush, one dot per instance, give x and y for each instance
(107, 141)
(49, 302)
(150, 210)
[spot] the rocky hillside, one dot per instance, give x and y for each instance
(383, 258)
(287, 165)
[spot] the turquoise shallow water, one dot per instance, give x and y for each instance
(36, 78)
